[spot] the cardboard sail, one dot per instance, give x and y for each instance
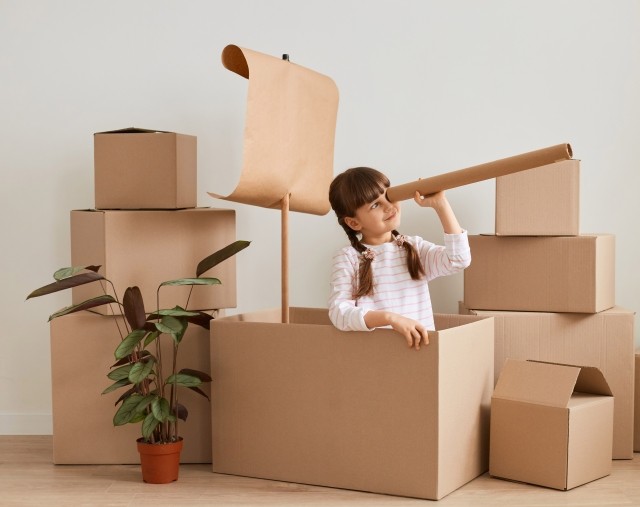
(289, 133)
(530, 160)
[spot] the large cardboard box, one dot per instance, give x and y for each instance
(636, 420)
(82, 347)
(303, 402)
(139, 169)
(603, 340)
(541, 274)
(544, 201)
(551, 424)
(148, 247)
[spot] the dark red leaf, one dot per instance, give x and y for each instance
(66, 283)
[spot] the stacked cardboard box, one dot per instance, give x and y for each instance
(145, 229)
(551, 289)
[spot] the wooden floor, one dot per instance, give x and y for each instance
(27, 478)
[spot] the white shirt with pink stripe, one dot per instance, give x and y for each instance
(394, 289)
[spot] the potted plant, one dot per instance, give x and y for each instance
(151, 380)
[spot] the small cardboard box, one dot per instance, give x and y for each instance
(541, 274)
(304, 402)
(82, 347)
(603, 340)
(636, 418)
(140, 169)
(544, 201)
(148, 247)
(551, 424)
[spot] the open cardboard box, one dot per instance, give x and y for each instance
(304, 402)
(551, 424)
(82, 347)
(604, 340)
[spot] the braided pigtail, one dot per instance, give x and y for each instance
(348, 191)
(364, 285)
(414, 264)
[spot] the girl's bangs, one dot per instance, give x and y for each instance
(368, 189)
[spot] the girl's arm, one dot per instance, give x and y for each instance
(343, 311)
(414, 332)
(440, 204)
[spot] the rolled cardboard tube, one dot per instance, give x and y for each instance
(529, 160)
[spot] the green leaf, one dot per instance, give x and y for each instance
(148, 425)
(137, 417)
(192, 281)
(173, 312)
(134, 308)
(140, 371)
(182, 379)
(160, 409)
(149, 398)
(127, 410)
(129, 358)
(120, 373)
(85, 305)
(217, 257)
(150, 337)
(129, 343)
(172, 326)
(117, 385)
(67, 272)
(66, 283)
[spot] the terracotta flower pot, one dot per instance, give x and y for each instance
(160, 463)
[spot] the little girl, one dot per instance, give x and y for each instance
(381, 279)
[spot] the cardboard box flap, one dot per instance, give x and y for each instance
(591, 380)
(537, 382)
(134, 130)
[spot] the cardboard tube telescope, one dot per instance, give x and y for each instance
(530, 160)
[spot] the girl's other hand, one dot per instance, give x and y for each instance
(414, 332)
(436, 200)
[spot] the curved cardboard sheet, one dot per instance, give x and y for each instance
(289, 133)
(529, 160)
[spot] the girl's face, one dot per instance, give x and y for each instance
(376, 220)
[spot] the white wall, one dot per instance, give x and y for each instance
(425, 87)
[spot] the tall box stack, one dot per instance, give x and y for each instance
(551, 289)
(146, 229)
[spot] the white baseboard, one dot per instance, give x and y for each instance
(26, 424)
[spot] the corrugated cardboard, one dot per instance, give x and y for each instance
(636, 420)
(304, 402)
(551, 424)
(140, 169)
(148, 247)
(604, 340)
(544, 201)
(82, 346)
(541, 274)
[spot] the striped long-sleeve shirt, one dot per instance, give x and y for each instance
(394, 289)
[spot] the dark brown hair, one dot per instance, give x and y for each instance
(350, 190)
